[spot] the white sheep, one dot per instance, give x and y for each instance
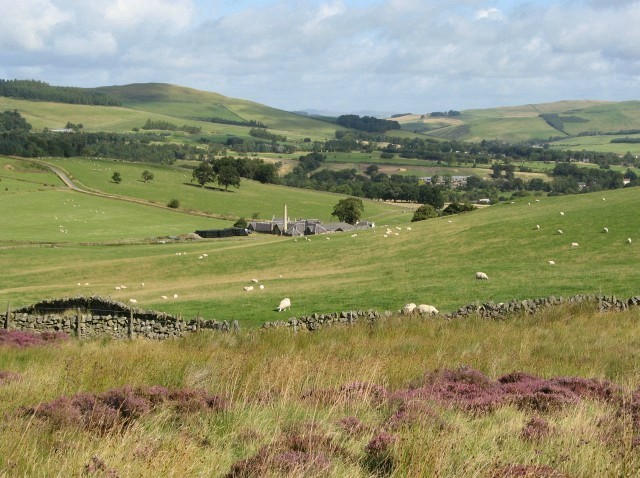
(409, 229)
(117, 288)
(163, 297)
(284, 304)
(141, 284)
(481, 276)
(603, 199)
(261, 286)
(354, 235)
(255, 281)
(408, 308)
(537, 200)
(628, 240)
(133, 301)
(574, 244)
(561, 213)
(605, 229)
(537, 226)
(123, 286)
(385, 235)
(328, 238)
(175, 296)
(552, 263)
(248, 288)
(205, 255)
(427, 309)
(560, 231)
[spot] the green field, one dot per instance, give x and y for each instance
(433, 263)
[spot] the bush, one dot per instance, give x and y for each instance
(457, 208)
(241, 223)
(173, 204)
(426, 211)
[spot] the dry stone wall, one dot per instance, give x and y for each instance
(89, 317)
(489, 310)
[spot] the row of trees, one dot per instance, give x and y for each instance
(227, 171)
(39, 90)
(168, 126)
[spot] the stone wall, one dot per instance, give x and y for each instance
(489, 310)
(89, 317)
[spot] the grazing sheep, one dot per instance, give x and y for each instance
(561, 213)
(427, 309)
(117, 288)
(354, 235)
(560, 231)
(205, 255)
(537, 226)
(396, 234)
(528, 204)
(537, 200)
(280, 276)
(248, 288)
(163, 297)
(628, 240)
(175, 296)
(133, 301)
(481, 276)
(284, 304)
(398, 228)
(408, 308)
(385, 235)
(574, 244)
(255, 281)
(200, 257)
(605, 229)
(409, 229)
(123, 286)
(603, 199)
(328, 238)
(552, 263)
(79, 283)
(261, 286)
(141, 284)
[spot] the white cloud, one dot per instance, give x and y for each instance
(489, 14)
(27, 24)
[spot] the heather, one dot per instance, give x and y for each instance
(555, 394)
(22, 338)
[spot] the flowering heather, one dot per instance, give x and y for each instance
(353, 426)
(118, 407)
(21, 338)
(379, 453)
(526, 471)
(535, 429)
(473, 391)
(349, 393)
(412, 412)
(8, 376)
(304, 451)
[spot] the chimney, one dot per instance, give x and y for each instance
(286, 220)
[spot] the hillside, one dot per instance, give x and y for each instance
(520, 123)
(434, 262)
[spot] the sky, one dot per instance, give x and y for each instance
(345, 56)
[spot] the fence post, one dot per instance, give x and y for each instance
(7, 320)
(130, 324)
(78, 324)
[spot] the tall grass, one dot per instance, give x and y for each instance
(310, 401)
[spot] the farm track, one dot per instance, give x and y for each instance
(64, 177)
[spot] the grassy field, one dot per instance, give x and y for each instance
(402, 398)
(433, 263)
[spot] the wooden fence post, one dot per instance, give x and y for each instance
(7, 320)
(130, 324)
(78, 324)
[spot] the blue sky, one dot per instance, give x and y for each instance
(337, 55)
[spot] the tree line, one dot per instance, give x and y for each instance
(39, 90)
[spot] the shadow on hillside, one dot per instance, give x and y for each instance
(211, 188)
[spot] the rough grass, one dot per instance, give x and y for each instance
(341, 402)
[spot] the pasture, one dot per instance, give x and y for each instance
(433, 263)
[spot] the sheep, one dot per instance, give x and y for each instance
(574, 244)
(603, 199)
(396, 234)
(328, 238)
(284, 304)
(561, 213)
(398, 228)
(560, 231)
(628, 240)
(123, 286)
(408, 308)
(552, 263)
(261, 286)
(605, 229)
(481, 276)
(248, 288)
(117, 288)
(280, 276)
(255, 281)
(79, 283)
(200, 257)
(537, 200)
(427, 309)
(385, 235)
(141, 284)
(133, 301)
(537, 226)
(409, 229)
(354, 235)
(163, 297)
(205, 255)
(175, 296)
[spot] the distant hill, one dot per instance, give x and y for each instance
(521, 123)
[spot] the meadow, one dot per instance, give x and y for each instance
(548, 395)
(433, 263)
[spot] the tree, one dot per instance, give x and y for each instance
(457, 208)
(173, 204)
(116, 177)
(348, 210)
(426, 211)
(204, 173)
(241, 223)
(147, 175)
(227, 173)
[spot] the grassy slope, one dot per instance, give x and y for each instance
(434, 263)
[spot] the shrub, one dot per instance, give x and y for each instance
(426, 211)
(457, 208)
(241, 223)
(173, 204)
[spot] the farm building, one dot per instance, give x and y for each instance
(456, 181)
(304, 227)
